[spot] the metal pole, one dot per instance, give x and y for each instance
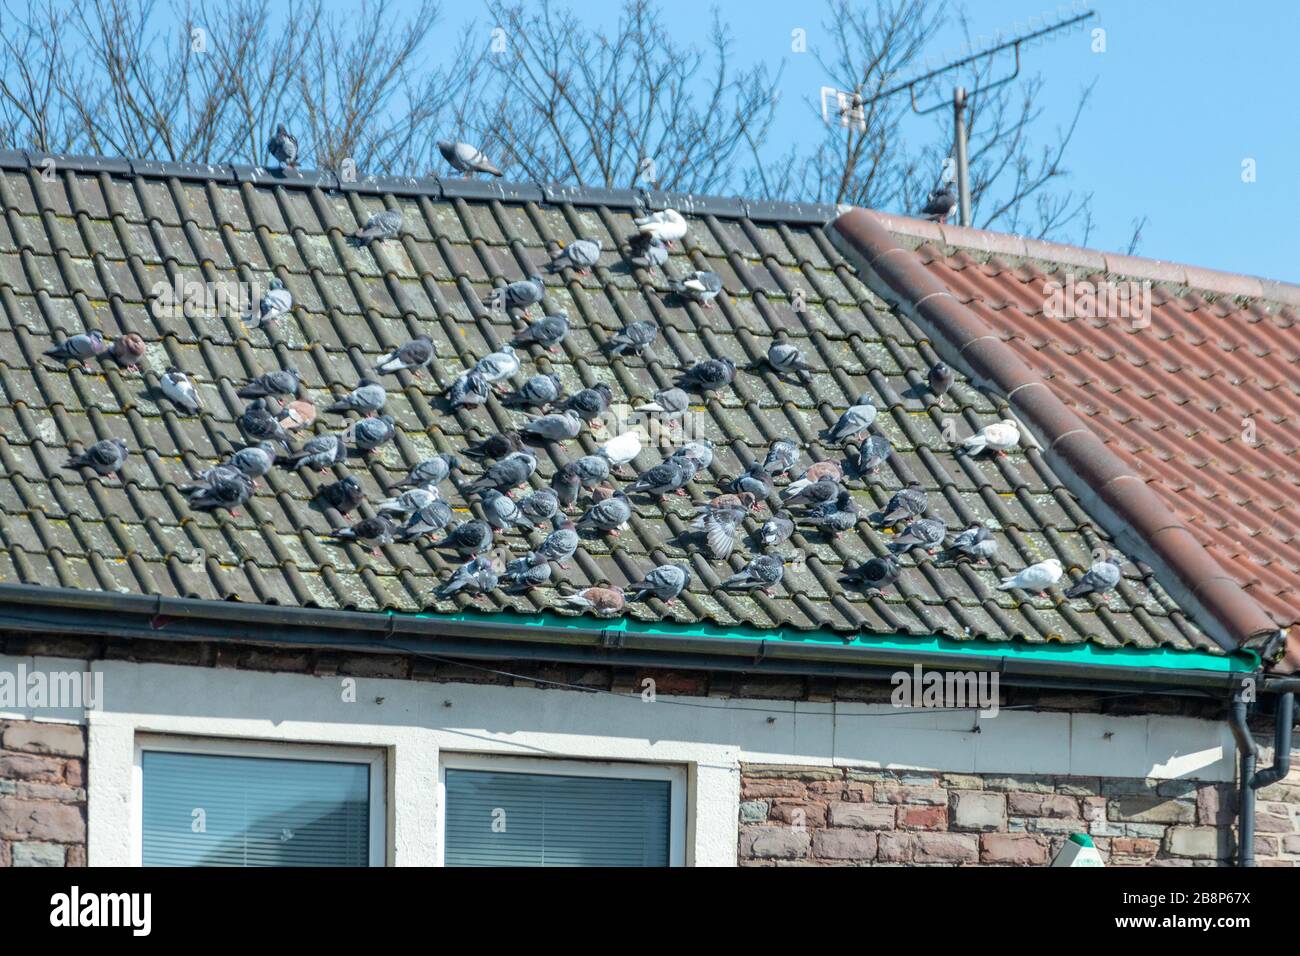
(963, 173)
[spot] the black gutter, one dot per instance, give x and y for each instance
(1251, 779)
(43, 610)
(726, 207)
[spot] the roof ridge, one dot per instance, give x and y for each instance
(1135, 515)
(1139, 267)
(433, 186)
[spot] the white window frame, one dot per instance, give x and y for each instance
(561, 767)
(265, 749)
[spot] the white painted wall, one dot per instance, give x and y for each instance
(417, 721)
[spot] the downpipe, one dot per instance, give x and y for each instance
(1249, 779)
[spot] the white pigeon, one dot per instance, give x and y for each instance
(176, 385)
(1037, 577)
(622, 448)
(276, 301)
(1000, 437)
(667, 226)
(498, 365)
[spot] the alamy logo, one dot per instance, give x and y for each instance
(133, 910)
(946, 690)
(1086, 299)
(23, 689)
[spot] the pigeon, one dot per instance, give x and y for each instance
(603, 602)
(517, 295)
(782, 456)
(754, 480)
(559, 546)
(721, 526)
(275, 302)
(468, 537)
(581, 254)
(300, 413)
(258, 422)
(823, 471)
(319, 453)
(1102, 578)
(666, 477)
(369, 433)
(764, 571)
(467, 159)
(80, 348)
(591, 470)
(590, 403)
(608, 516)
(834, 518)
(478, 575)
(665, 582)
(495, 446)
(667, 226)
(499, 365)
(924, 533)
(1037, 577)
(786, 359)
(553, 428)
(128, 351)
(425, 520)
(875, 575)
(940, 204)
(548, 332)
(282, 382)
(622, 448)
(368, 397)
(648, 252)
(343, 495)
(540, 506)
(411, 357)
(999, 437)
(776, 529)
(701, 451)
(855, 420)
(502, 512)
(906, 503)
(509, 472)
(633, 338)
(255, 461)
(976, 543)
(468, 391)
(379, 227)
(177, 387)
(538, 392)
(701, 286)
(812, 494)
(667, 403)
(709, 375)
(221, 487)
(565, 484)
(413, 499)
(106, 457)
(940, 378)
(875, 451)
(744, 502)
(430, 472)
(523, 575)
(284, 148)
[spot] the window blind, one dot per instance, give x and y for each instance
(522, 819)
(254, 811)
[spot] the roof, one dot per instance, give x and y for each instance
(83, 248)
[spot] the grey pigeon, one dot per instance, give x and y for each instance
(976, 543)
(754, 480)
(538, 392)
(178, 388)
(381, 226)
(875, 451)
(426, 520)
(609, 515)
(940, 204)
(701, 286)
(776, 529)
(590, 403)
(764, 571)
(565, 484)
(667, 403)
(855, 420)
(559, 546)
(468, 391)
(709, 375)
(497, 445)
(275, 302)
(467, 159)
(813, 494)
(906, 503)
(430, 472)
(648, 252)
(540, 506)
(634, 337)
(373, 533)
(924, 533)
(786, 359)
(721, 527)
(940, 379)
(343, 495)
(255, 460)
(875, 575)
(665, 582)
(106, 457)
(509, 472)
(834, 518)
(319, 453)
(548, 332)
(581, 254)
(782, 456)
(591, 470)
(1102, 578)
(281, 382)
(259, 422)
(701, 451)
(502, 512)
(478, 575)
(222, 487)
(670, 476)
(370, 433)
(468, 537)
(524, 575)
(553, 428)
(368, 397)
(411, 357)
(499, 365)
(413, 499)
(517, 295)
(284, 147)
(80, 348)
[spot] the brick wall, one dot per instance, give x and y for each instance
(42, 794)
(1277, 812)
(840, 816)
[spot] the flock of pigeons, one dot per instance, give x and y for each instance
(814, 496)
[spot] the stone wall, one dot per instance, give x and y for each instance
(42, 794)
(840, 816)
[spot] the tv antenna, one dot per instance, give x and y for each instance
(961, 97)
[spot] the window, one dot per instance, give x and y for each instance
(236, 804)
(508, 812)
